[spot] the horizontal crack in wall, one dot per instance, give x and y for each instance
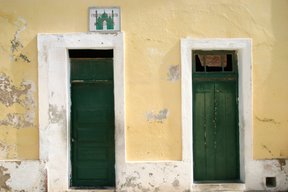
(267, 120)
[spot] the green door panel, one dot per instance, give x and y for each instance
(92, 125)
(215, 116)
(215, 131)
(92, 69)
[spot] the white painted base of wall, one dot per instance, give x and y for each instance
(31, 176)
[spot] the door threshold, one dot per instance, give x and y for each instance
(218, 187)
(110, 189)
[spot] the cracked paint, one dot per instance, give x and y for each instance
(174, 73)
(11, 94)
(4, 177)
(157, 117)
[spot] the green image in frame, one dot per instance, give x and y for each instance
(104, 21)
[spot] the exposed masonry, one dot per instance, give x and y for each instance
(11, 94)
(157, 117)
(174, 73)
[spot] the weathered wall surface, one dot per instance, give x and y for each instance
(153, 30)
(18, 84)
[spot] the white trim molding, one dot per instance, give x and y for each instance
(244, 53)
(54, 100)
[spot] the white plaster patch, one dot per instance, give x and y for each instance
(25, 175)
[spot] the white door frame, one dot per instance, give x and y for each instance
(244, 54)
(54, 100)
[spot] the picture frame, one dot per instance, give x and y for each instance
(104, 19)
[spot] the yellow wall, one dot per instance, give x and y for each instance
(152, 57)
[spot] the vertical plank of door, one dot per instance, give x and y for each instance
(232, 131)
(221, 138)
(227, 130)
(210, 131)
(199, 125)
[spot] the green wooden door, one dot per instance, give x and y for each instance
(215, 123)
(92, 123)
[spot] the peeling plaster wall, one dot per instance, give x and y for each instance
(22, 95)
(153, 64)
(152, 86)
(18, 88)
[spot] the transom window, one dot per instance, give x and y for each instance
(214, 61)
